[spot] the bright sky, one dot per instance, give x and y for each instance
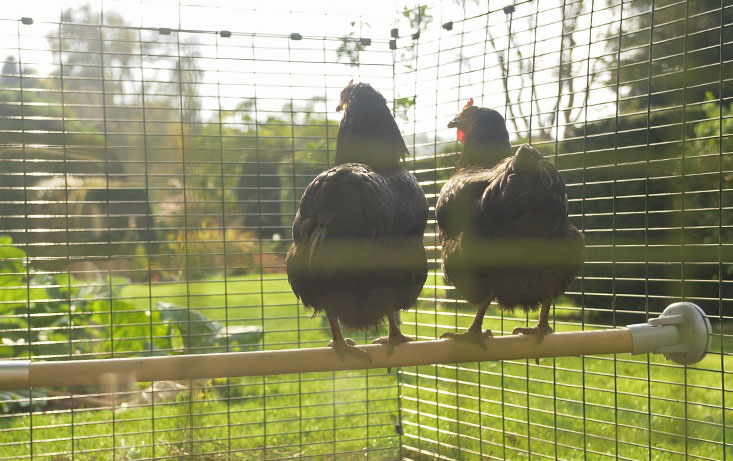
(318, 18)
(442, 82)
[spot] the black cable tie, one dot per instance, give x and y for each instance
(225, 33)
(394, 33)
(416, 35)
(164, 31)
(509, 9)
(448, 25)
(393, 44)
(296, 36)
(26, 20)
(365, 41)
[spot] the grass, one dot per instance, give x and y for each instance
(571, 408)
(246, 418)
(596, 407)
(247, 300)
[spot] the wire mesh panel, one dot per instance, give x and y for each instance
(150, 175)
(630, 101)
(152, 156)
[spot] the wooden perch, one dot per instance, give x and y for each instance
(682, 333)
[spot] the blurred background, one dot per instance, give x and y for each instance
(153, 153)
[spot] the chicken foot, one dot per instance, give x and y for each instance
(342, 345)
(395, 337)
(543, 325)
(474, 333)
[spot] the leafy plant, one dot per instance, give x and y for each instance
(198, 252)
(21, 401)
(418, 17)
(199, 334)
(402, 106)
(351, 47)
(59, 315)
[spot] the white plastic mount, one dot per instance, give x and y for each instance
(682, 333)
(15, 374)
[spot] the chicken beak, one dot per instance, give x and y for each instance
(453, 123)
(338, 108)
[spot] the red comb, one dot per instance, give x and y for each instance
(469, 103)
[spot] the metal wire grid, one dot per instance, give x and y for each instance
(600, 406)
(150, 177)
(618, 100)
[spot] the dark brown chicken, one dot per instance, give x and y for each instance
(358, 253)
(504, 225)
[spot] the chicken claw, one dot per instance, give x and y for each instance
(392, 341)
(470, 336)
(540, 330)
(344, 346)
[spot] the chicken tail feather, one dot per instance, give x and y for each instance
(318, 237)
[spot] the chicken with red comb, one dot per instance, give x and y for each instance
(503, 225)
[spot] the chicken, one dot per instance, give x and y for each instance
(358, 253)
(504, 225)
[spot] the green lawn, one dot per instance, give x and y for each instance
(330, 416)
(633, 407)
(570, 408)
(266, 301)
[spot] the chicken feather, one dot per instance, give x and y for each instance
(357, 253)
(503, 225)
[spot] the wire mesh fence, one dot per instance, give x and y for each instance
(629, 100)
(153, 156)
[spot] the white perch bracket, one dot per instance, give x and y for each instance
(682, 333)
(15, 374)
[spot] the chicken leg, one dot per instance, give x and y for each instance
(342, 345)
(474, 333)
(543, 325)
(395, 337)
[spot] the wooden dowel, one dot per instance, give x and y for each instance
(259, 363)
(682, 333)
